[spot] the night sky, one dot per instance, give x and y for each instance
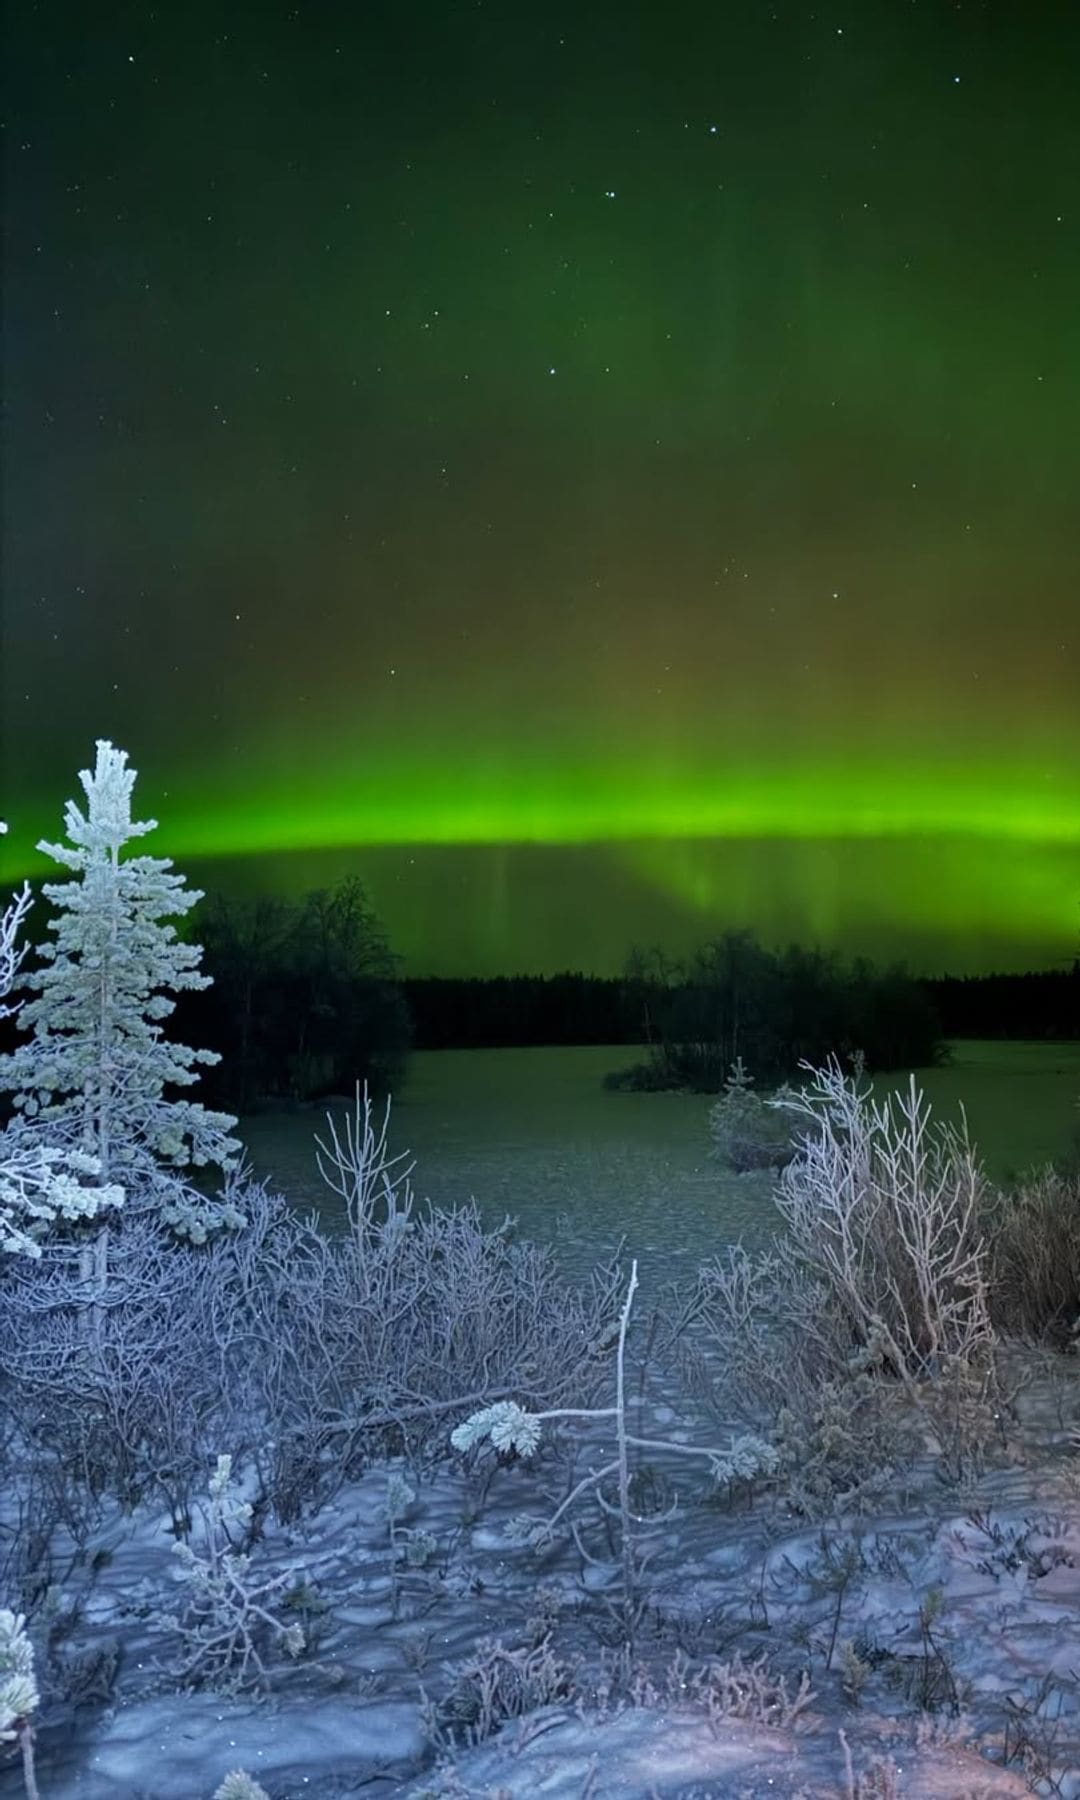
(602, 472)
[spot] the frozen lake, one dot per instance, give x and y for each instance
(533, 1133)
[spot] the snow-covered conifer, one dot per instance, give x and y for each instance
(18, 1693)
(93, 1076)
(38, 1182)
(239, 1785)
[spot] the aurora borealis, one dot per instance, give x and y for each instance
(602, 473)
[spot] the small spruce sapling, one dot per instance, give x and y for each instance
(747, 1134)
(228, 1624)
(93, 1077)
(239, 1785)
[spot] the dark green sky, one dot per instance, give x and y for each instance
(603, 472)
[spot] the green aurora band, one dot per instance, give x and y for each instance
(603, 474)
(960, 869)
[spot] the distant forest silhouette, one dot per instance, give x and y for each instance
(308, 998)
(574, 1008)
(731, 999)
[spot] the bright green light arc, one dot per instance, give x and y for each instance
(488, 803)
(242, 811)
(560, 862)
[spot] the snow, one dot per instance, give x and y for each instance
(348, 1717)
(533, 1133)
(939, 1636)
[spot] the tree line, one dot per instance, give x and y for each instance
(1042, 1003)
(735, 1001)
(307, 998)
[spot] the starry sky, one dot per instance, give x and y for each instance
(603, 473)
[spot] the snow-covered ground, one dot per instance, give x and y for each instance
(928, 1648)
(533, 1133)
(934, 1637)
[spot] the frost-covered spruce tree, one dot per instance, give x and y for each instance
(18, 1693)
(93, 1077)
(38, 1182)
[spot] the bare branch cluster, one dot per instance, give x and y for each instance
(871, 1312)
(883, 1210)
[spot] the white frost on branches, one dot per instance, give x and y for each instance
(39, 1182)
(18, 1685)
(884, 1208)
(227, 1622)
(11, 951)
(92, 1077)
(505, 1423)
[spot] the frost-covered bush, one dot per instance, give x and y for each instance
(734, 1688)
(882, 1208)
(1034, 1262)
(11, 951)
(368, 1340)
(510, 1427)
(870, 1310)
(747, 1133)
(492, 1685)
(165, 1377)
(307, 1352)
(839, 1446)
(231, 1622)
(832, 1423)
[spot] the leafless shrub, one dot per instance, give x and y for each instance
(46, 1517)
(868, 1322)
(361, 1345)
(698, 1630)
(731, 1689)
(882, 1208)
(310, 1355)
(129, 1412)
(83, 1673)
(733, 1308)
(492, 1685)
(880, 1780)
(1034, 1262)
(835, 1428)
(357, 1165)
(511, 1428)
(1035, 1738)
(12, 952)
